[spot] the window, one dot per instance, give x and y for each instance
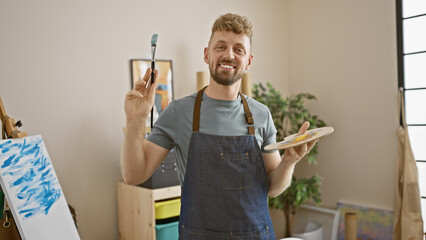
(411, 30)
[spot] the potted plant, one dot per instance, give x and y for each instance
(289, 114)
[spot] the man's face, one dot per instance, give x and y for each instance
(228, 56)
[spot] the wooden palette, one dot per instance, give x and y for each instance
(296, 140)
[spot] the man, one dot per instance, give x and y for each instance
(218, 136)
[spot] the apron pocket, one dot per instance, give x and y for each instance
(188, 233)
(262, 234)
(235, 170)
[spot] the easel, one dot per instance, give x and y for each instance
(9, 130)
(9, 124)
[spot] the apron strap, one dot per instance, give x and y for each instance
(197, 110)
(248, 114)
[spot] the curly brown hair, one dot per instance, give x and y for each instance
(235, 23)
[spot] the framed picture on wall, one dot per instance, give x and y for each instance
(164, 92)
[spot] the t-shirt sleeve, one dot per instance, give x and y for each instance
(270, 133)
(164, 130)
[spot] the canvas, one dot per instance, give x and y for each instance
(372, 223)
(33, 192)
(327, 218)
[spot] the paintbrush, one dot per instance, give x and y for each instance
(154, 39)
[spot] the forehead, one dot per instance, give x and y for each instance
(230, 38)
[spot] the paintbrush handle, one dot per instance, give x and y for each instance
(152, 81)
(153, 72)
(152, 117)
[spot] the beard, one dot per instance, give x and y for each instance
(225, 78)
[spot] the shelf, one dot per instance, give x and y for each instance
(136, 213)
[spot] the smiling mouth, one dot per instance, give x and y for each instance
(226, 66)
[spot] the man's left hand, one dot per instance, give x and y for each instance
(294, 154)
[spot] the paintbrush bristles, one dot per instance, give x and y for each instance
(154, 39)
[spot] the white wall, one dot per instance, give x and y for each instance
(64, 71)
(344, 52)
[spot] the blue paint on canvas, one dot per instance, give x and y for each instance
(30, 172)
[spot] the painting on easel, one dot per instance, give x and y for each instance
(33, 191)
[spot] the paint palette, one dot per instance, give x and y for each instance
(296, 140)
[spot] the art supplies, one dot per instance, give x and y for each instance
(296, 140)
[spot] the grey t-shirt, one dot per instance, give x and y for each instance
(173, 128)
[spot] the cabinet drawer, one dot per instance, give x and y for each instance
(168, 231)
(167, 209)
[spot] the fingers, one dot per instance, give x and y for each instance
(139, 85)
(152, 87)
(147, 75)
(133, 94)
(293, 153)
(302, 150)
(298, 152)
(142, 84)
(311, 145)
(303, 128)
(155, 78)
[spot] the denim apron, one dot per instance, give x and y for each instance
(224, 193)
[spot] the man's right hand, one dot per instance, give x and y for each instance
(140, 158)
(140, 100)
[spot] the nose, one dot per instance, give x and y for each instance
(229, 54)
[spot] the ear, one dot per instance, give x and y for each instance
(250, 61)
(206, 55)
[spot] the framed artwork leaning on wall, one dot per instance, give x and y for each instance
(164, 92)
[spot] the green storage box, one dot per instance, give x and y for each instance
(167, 231)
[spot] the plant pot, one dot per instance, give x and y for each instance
(313, 231)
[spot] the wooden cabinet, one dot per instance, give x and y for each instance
(136, 212)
